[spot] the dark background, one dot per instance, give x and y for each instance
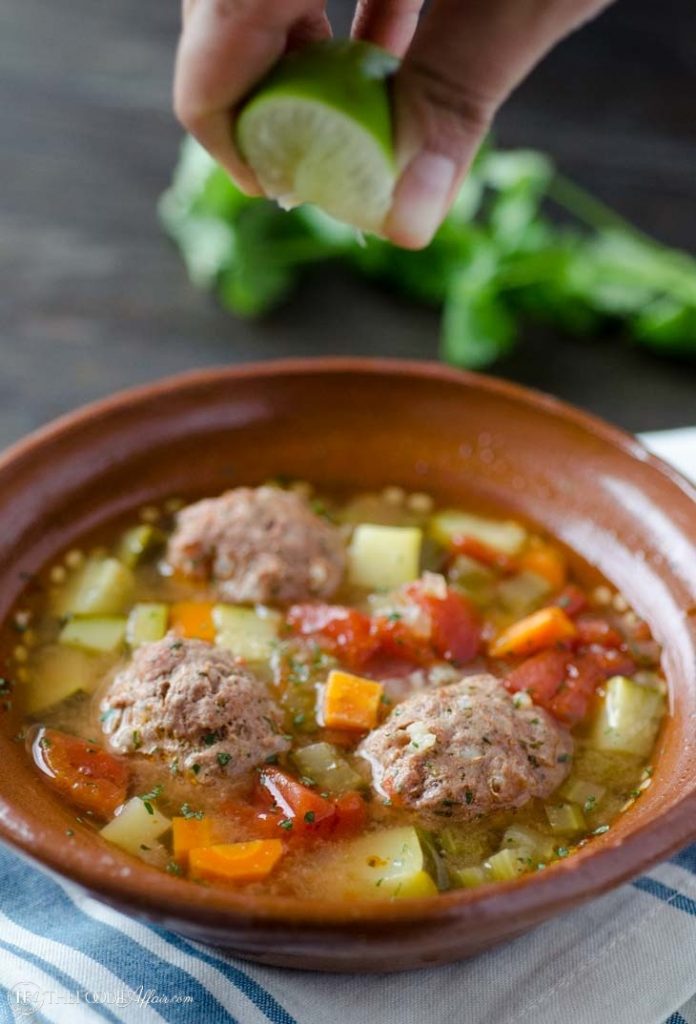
(94, 298)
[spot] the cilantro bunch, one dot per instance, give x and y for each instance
(521, 243)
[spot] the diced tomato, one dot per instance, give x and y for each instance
(398, 641)
(541, 676)
(571, 599)
(456, 629)
(344, 632)
(484, 553)
(82, 772)
(303, 814)
(351, 814)
(595, 630)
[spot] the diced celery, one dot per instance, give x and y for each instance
(102, 586)
(147, 623)
(383, 557)
(523, 593)
(58, 673)
(472, 578)
(578, 791)
(434, 861)
(628, 718)
(322, 763)
(467, 878)
(565, 819)
(139, 823)
(384, 865)
(137, 543)
(536, 845)
(507, 864)
(103, 634)
(250, 633)
(452, 842)
(503, 535)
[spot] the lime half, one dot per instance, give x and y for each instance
(318, 130)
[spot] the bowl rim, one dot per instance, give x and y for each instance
(600, 866)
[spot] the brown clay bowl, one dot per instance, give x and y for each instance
(363, 424)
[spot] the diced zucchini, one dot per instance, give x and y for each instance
(322, 763)
(59, 673)
(523, 593)
(503, 535)
(383, 557)
(139, 823)
(565, 819)
(578, 791)
(384, 865)
(467, 878)
(507, 864)
(474, 579)
(629, 717)
(137, 543)
(103, 634)
(536, 846)
(102, 586)
(250, 633)
(147, 623)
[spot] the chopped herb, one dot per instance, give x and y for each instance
(271, 759)
(173, 868)
(137, 740)
(148, 797)
(195, 768)
(223, 758)
(468, 796)
(174, 766)
(600, 830)
(210, 738)
(562, 758)
(299, 718)
(562, 851)
(45, 743)
(286, 823)
(144, 847)
(589, 803)
(187, 811)
(394, 617)
(108, 714)
(309, 817)
(69, 832)
(5, 686)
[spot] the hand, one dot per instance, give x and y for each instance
(460, 62)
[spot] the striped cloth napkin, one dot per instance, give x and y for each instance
(628, 958)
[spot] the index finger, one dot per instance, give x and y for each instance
(225, 48)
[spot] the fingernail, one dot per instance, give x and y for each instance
(421, 199)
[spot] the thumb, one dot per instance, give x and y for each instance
(464, 61)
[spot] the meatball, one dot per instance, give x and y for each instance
(191, 700)
(258, 545)
(467, 749)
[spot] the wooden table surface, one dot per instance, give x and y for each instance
(94, 298)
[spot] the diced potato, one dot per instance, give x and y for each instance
(536, 845)
(503, 535)
(565, 819)
(507, 864)
(577, 791)
(138, 823)
(250, 633)
(59, 673)
(102, 586)
(137, 543)
(147, 623)
(468, 878)
(629, 717)
(384, 865)
(322, 763)
(102, 634)
(523, 593)
(383, 557)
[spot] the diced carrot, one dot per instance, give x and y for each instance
(546, 561)
(189, 833)
(236, 862)
(351, 702)
(541, 629)
(193, 619)
(80, 771)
